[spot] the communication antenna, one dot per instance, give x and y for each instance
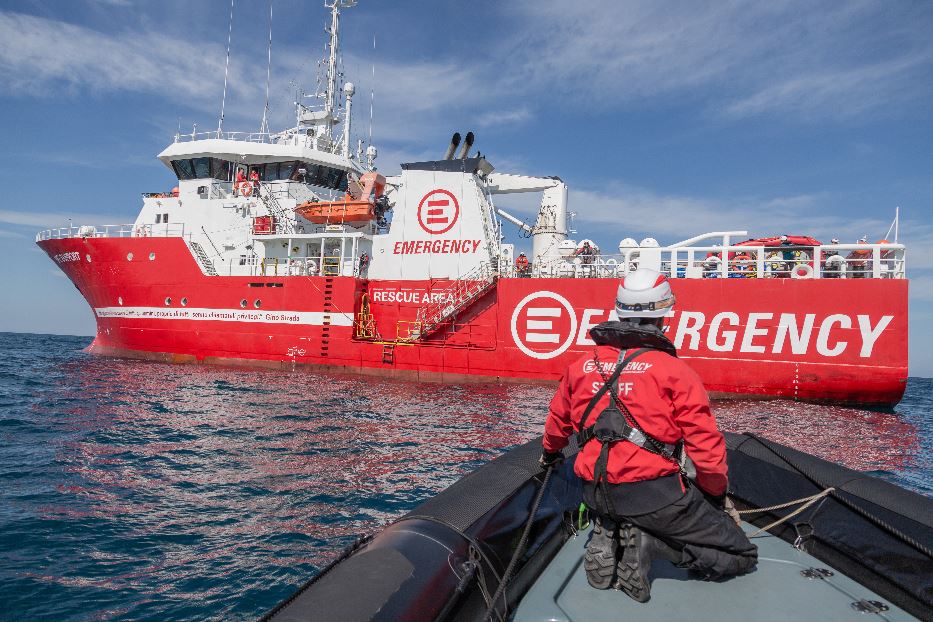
(264, 126)
(372, 95)
(223, 101)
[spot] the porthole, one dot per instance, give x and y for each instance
(168, 301)
(184, 302)
(151, 256)
(88, 257)
(243, 303)
(129, 256)
(120, 300)
(258, 303)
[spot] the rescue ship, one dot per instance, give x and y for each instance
(289, 248)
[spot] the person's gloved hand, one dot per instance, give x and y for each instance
(729, 507)
(550, 459)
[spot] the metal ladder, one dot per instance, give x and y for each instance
(203, 259)
(458, 295)
(489, 227)
(275, 209)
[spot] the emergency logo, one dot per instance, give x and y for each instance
(544, 325)
(438, 211)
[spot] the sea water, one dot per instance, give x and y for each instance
(145, 491)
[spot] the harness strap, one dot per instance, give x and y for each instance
(628, 432)
(621, 363)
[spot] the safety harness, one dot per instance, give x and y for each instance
(616, 423)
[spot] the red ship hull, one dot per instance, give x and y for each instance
(838, 340)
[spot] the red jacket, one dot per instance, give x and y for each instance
(666, 398)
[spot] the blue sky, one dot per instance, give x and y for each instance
(666, 119)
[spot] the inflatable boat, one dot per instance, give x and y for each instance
(506, 542)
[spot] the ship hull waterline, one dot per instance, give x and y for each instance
(832, 340)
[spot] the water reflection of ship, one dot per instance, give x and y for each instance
(863, 440)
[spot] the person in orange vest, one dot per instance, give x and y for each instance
(858, 261)
(240, 180)
(521, 265)
(254, 180)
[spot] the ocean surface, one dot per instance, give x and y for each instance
(143, 491)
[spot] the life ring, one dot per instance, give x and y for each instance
(245, 188)
(802, 271)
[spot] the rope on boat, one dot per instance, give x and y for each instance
(806, 501)
(885, 526)
(519, 549)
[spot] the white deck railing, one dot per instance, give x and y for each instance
(166, 230)
(880, 261)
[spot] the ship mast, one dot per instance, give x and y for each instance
(319, 124)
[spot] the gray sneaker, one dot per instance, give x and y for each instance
(599, 560)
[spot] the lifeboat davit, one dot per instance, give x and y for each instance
(357, 206)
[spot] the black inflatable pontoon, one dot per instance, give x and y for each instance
(445, 559)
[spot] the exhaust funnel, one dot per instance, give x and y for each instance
(454, 142)
(467, 144)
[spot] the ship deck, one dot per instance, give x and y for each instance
(777, 590)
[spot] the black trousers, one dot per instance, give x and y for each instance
(709, 540)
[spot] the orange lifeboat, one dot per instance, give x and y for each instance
(358, 205)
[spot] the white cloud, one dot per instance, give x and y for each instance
(41, 57)
(742, 58)
(848, 92)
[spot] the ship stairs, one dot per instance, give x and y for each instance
(203, 259)
(447, 304)
(284, 220)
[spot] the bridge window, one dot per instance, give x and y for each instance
(184, 169)
(320, 175)
(221, 169)
(203, 168)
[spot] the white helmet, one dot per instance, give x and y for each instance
(644, 293)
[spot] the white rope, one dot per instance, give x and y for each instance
(806, 501)
(223, 102)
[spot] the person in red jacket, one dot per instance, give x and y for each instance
(643, 421)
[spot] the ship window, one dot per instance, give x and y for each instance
(158, 218)
(286, 169)
(183, 169)
(221, 169)
(168, 301)
(324, 176)
(165, 218)
(184, 302)
(257, 303)
(202, 168)
(269, 172)
(243, 303)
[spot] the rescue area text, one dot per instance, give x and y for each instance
(435, 247)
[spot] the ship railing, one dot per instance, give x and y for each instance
(879, 261)
(294, 136)
(161, 230)
(328, 265)
(251, 137)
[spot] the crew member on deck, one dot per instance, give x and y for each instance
(240, 180)
(254, 180)
(636, 408)
(522, 265)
